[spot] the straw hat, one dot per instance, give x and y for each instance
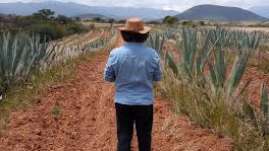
(135, 25)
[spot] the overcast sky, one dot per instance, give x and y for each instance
(179, 5)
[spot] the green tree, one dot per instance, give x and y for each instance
(111, 21)
(188, 23)
(63, 19)
(97, 19)
(122, 21)
(202, 23)
(45, 14)
(170, 20)
(77, 19)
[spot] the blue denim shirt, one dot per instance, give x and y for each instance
(133, 67)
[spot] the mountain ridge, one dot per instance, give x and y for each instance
(261, 10)
(219, 13)
(74, 9)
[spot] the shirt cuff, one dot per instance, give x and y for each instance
(109, 76)
(157, 77)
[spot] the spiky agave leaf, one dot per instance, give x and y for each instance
(237, 72)
(212, 77)
(264, 102)
(156, 41)
(216, 63)
(171, 63)
(250, 112)
(189, 49)
(264, 105)
(203, 54)
(220, 67)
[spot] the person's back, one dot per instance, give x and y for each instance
(134, 67)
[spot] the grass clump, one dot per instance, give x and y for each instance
(56, 111)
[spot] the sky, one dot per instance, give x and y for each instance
(179, 5)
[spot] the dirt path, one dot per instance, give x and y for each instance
(87, 120)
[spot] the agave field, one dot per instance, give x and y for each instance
(22, 54)
(204, 72)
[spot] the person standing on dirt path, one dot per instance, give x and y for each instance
(134, 68)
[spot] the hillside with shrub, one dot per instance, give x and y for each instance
(44, 23)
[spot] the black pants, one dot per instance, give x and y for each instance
(127, 117)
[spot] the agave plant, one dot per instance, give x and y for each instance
(260, 117)
(101, 42)
(228, 38)
(97, 44)
(264, 108)
(171, 33)
(156, 41)
(210, 51)
(67, 50)
(19, 54)
(171, 63)
(237, 72)
(204, 88)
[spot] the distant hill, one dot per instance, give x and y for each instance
(4, 15)
(261, 10)
(219, 13)
(73, 9)
(92, 16)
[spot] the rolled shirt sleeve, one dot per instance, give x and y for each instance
(109, 73)
(157, 74)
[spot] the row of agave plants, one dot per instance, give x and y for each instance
(65, 51)
(22, 54)
(205, 83)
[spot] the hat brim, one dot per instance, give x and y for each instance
(146, 30)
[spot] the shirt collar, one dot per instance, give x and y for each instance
(133, 44)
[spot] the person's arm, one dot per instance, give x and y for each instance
(109, 73)
(157, 74)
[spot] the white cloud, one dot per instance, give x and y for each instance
(179, 5)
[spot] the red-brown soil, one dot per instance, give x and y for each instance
(87, 120)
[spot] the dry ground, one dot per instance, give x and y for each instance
(86, 119)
